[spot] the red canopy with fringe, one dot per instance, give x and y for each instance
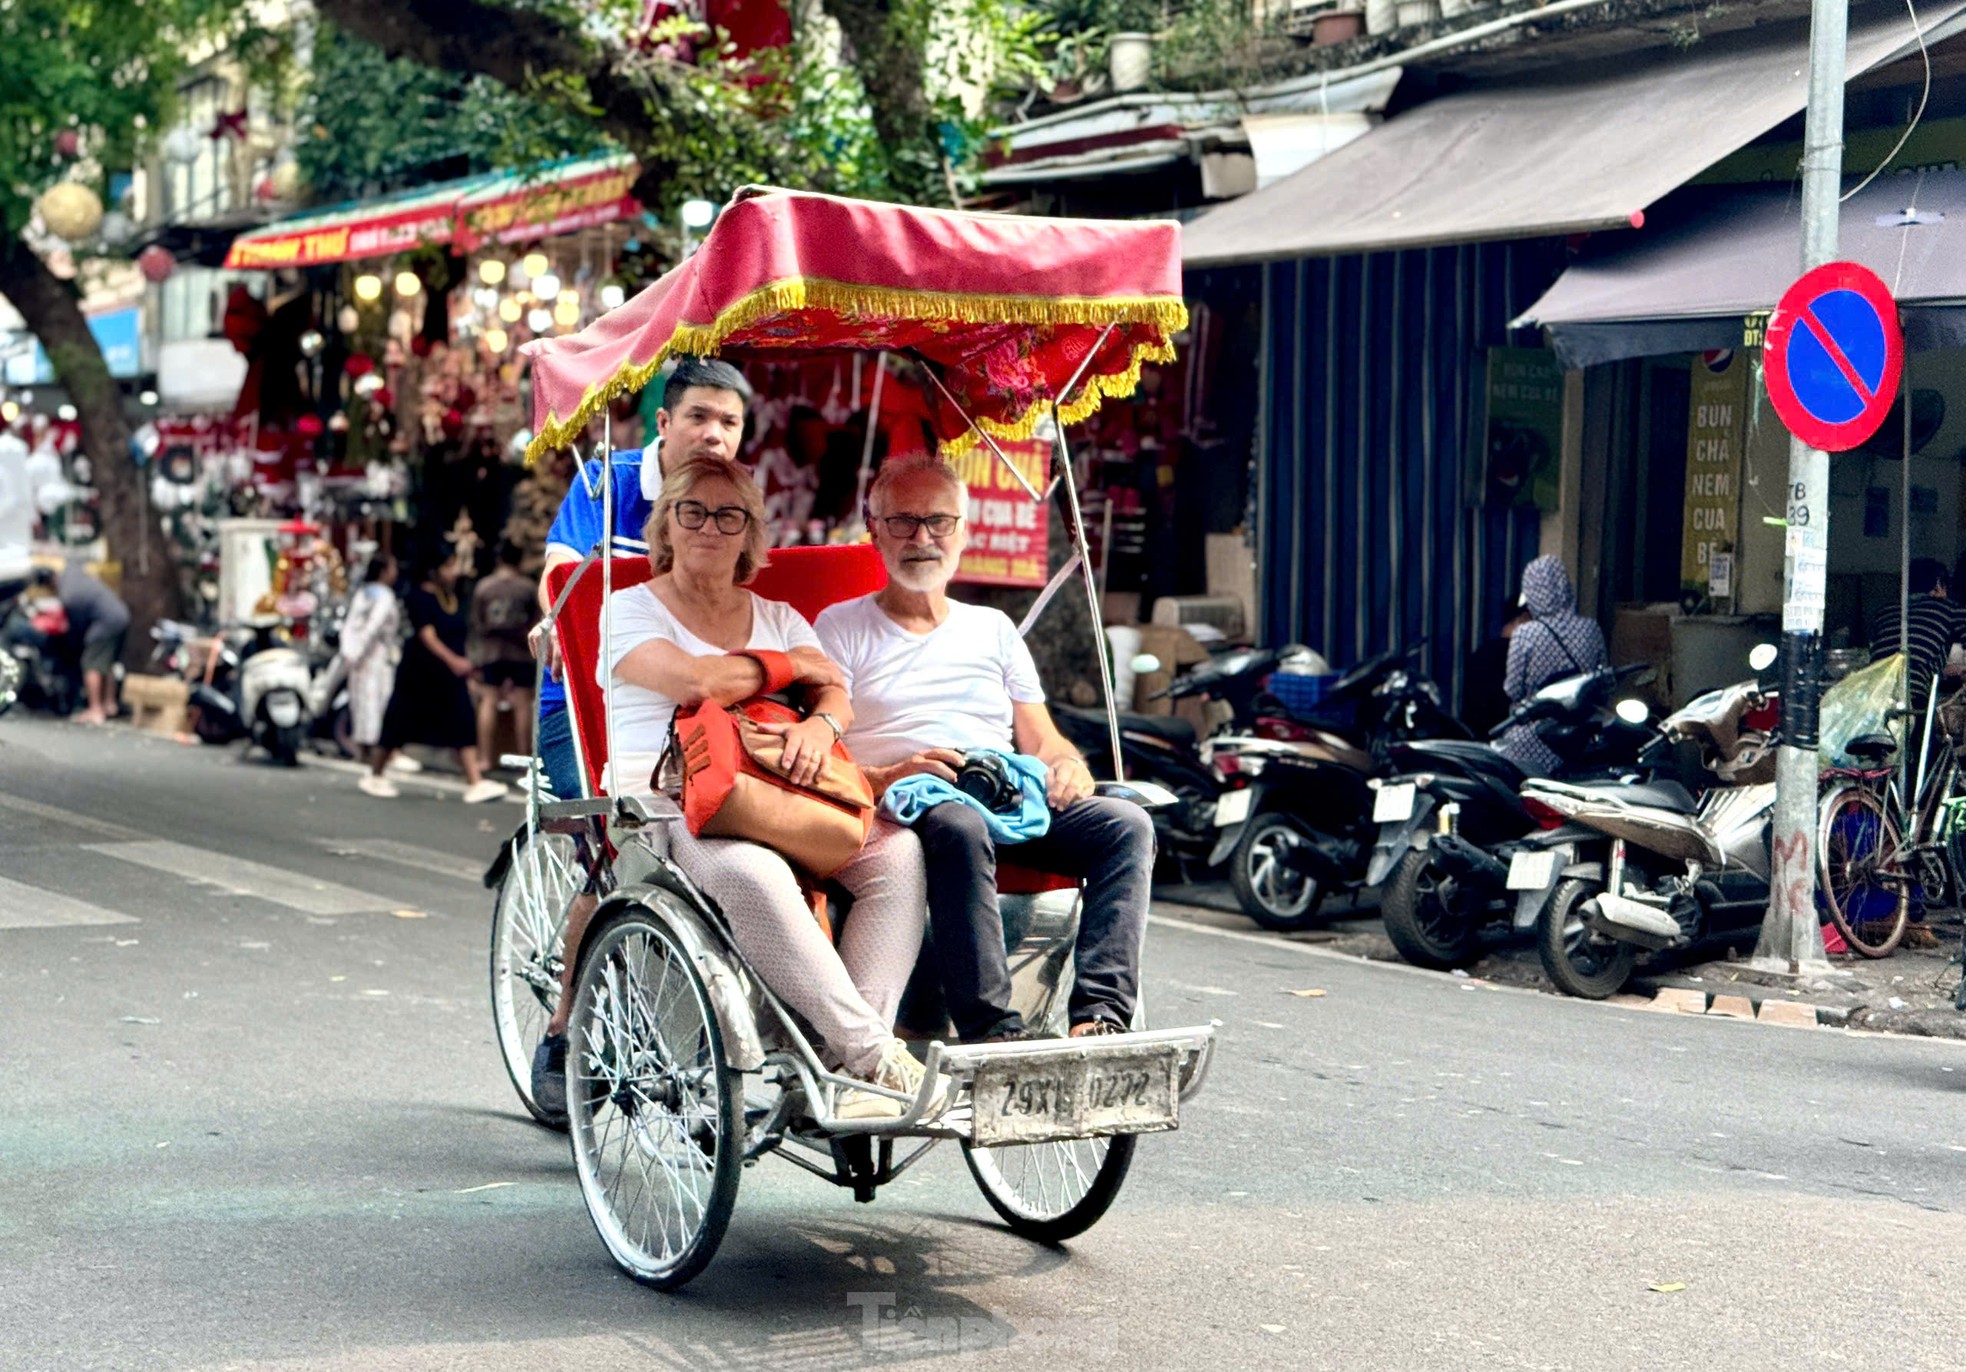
(1004, 307)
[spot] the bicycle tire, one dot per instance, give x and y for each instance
(1867, 895)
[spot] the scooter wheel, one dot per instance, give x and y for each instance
(1264, 871)
(1581, 962)
(1428, 916)
(285, 746)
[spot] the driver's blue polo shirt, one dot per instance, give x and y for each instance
(577, 529)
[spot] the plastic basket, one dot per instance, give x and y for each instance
(1301, 693)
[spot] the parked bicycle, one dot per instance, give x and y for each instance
(1889, 834)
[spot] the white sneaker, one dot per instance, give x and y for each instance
(405, 764)
(373, 785)
(899, 1070)
(480, 792)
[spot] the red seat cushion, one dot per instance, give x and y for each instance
(807, 579)
(1013, 880)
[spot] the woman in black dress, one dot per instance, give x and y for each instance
(431, 704)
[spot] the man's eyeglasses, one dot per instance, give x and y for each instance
(904, 526)
(731, 519)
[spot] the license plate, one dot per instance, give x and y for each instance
(1032, 1100)
(1233, 807)
(1532, 870)
(1393, 804)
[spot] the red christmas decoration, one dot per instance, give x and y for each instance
(231, 125)
(453, 423)
(420, 346)
(359, 364)
(384, 399)
(308, 426)
(67, 143)
(156, 264)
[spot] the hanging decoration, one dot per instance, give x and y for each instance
(68, 143)
(182, 146)
(232, 125)
(71, 211)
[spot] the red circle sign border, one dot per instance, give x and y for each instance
(1810, 286)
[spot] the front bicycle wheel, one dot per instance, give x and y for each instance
(527, 920)
(1867, 893)
(654, 1107)
(1056, 1190)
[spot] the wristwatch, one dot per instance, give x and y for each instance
(838, 732)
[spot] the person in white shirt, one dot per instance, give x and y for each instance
(931, 678)
(682, 639)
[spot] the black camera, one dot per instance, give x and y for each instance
(988, 780)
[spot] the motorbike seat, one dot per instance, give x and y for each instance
(1172, 728)
(1875, 749)
(1662, 795)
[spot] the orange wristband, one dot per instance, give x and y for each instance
(776, 666)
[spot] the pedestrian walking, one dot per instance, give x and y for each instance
(371, 645)
(503, 610)
(431, 703)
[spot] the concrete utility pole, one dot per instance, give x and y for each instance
(1790, 939)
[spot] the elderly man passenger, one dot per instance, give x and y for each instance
(931, 678)
(677, 641)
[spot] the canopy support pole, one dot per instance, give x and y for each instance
(607, 591)
(976, 429)
(873, 428)
(1084, 559)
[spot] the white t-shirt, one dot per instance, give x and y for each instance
(949, 688)
(16, 509)
(641, 716)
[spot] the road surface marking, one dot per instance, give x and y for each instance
(409, 855)
(294, 890)
(68, 818)
(30, 907)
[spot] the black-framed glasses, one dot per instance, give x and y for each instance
(731, 519)
(903, 526)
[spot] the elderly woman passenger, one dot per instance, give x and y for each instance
(674, 645)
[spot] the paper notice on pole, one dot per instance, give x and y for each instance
(1792, 543)
(1720, 575)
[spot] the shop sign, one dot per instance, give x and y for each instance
(1715, 434)
(1008, 531)
(1523, 439)
(1834, 356)
(548, 209)
(118, 333)
(370, 235)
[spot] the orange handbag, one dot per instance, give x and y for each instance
(734, 786)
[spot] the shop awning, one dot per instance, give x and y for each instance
(1578, 149)
(1718, 255)
(506, 207)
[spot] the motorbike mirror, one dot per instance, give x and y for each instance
(1633, 711)
(1145, 664)
(1763, 656)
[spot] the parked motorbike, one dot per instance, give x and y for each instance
(40, 663)
(1166, 749)
(1645, 866)
(259, 691)
(1295, 824)
(1453, 805)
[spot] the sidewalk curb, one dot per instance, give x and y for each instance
(1675, 994)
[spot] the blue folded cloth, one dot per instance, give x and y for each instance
(908, 799)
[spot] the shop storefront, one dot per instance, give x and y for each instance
(1670, 329)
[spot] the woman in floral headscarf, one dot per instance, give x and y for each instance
(1555, 642)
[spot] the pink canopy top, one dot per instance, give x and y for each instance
(1005, 308)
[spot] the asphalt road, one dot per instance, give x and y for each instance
(251, 1116)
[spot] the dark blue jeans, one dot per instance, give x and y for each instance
(557, 755)
(1109, 843)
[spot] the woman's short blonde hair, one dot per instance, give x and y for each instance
(678, 484)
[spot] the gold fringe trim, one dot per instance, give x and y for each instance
(1170, 314)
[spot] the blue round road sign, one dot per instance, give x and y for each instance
(1834, 356)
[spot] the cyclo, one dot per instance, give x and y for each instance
(683, 1066)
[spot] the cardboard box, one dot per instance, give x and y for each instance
(1176, 648)
(157, 703)
(1232, 572)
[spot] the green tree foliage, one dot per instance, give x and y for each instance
(370, 124)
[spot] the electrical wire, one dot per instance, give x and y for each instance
(1916, 115)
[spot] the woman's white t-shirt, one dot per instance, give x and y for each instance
(642, 716)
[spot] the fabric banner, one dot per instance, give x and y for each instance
(1716, 428)
(1008, 531)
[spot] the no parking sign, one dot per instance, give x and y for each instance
(1834, 356)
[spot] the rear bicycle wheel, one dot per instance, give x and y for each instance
(1054, 1191)
(655, 1109)
(1866, 893)
(528, 919)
